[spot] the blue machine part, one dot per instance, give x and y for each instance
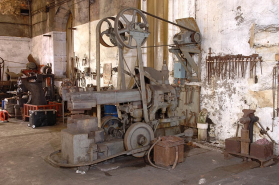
(111, 110)
(179, 71)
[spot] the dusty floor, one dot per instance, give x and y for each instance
(23, 150)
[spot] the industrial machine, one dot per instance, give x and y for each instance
(146, 110)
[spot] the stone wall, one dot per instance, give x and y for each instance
(12, 22)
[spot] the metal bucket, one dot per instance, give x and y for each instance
(18, 114)
(10, 109)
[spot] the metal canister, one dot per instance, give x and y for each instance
(17, 112)
(10, 109)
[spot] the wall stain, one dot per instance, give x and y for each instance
(239, 18)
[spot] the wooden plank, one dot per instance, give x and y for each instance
(245, 145)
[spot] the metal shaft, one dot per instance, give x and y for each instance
(167, 21)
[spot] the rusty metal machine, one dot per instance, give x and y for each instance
(244, 146)
(40, 86)
(146, 110)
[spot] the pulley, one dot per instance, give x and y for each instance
(109, 32)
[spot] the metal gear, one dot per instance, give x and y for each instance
(109, 123)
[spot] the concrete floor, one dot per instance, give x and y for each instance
(23, 151)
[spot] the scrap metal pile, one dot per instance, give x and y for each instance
(232, 66)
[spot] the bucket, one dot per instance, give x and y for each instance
(110, 110)
(202, 131)
(10, 109)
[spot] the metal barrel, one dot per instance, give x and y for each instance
(10, 109)
(17, 112)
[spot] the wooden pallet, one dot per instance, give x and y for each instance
(264, 162)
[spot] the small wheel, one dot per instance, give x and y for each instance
(130, 25)
(33, 126)
(110, 122)
(137, 136)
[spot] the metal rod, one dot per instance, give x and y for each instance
(167, 21)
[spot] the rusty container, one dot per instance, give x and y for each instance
(261, 151)
(165, 150)
(232, 145)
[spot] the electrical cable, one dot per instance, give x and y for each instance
(148, 156)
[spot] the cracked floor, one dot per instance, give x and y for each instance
(23, 151)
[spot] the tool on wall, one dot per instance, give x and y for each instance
(275, 90)
(1, 68)
(232, 66)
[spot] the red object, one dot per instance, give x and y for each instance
(51, 105)
(3, 116)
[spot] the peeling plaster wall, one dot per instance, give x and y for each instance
(226, 28)
(14, 50)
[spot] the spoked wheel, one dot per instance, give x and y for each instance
(109, 123)
(128, 17)
(137, 136)
(109, 32)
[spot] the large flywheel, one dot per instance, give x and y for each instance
(137, 136)
(128, 18)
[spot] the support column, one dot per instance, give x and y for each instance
(158, 33)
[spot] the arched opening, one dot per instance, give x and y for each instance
(69, 46)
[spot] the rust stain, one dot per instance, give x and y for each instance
(8, 7)
(239, 16)
(263, 97)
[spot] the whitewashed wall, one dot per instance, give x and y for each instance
(51, 50)
(225, 26)
(14, 50)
